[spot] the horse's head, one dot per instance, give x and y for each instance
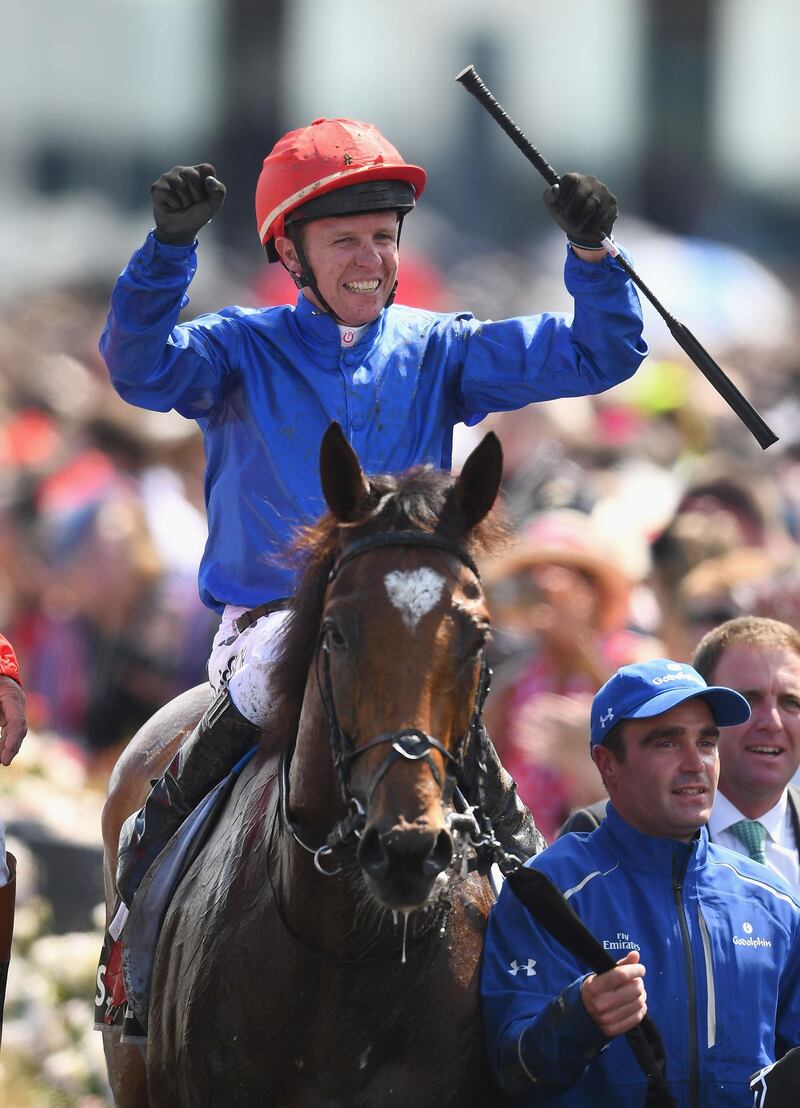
(401, 664)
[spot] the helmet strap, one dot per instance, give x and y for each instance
(305, 279)
(393, 293)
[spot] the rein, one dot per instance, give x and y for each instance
(410, 742)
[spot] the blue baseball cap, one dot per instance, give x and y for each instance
(650, 688)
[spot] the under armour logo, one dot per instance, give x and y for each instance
(515, 968)
(348, 160)
(607, 718)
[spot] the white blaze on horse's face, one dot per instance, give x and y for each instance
(414, 593)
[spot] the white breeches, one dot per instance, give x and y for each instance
(245, 660)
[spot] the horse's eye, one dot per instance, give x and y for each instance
(335, 637)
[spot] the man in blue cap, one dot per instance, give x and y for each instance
(715, 937)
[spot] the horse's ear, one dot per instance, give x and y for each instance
(344, 485)
(477, 486)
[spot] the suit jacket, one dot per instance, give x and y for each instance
(586, 819)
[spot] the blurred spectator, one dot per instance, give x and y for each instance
(563, 603)
(13, 723)
(124, 636)
(13, 727)
(755, 804)
(726, 511)
(724, 490)
(739, 583)
(686, 542)
(102, 531)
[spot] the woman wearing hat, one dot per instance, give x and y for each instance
(562, 596)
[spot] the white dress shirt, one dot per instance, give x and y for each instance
(780, 844)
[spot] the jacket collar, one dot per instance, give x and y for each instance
(318, 327)
(649, 852)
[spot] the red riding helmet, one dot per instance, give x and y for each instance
(349, 163)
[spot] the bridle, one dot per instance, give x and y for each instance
(409, 742)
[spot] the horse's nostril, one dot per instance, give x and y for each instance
(372, 855)
(441, 855)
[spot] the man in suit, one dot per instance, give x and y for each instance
(760, 658)
(757, 811)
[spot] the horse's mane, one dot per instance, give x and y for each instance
(419, 500)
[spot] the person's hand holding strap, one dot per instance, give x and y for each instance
(615, 1000)
(184, 200)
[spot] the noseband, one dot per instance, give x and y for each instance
(409, 742)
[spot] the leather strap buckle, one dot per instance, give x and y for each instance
(247, 619)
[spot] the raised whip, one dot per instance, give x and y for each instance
(762, 433)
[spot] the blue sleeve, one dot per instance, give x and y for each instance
(539, 1036)
(513, 362)
(153, 362)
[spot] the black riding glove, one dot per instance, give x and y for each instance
(184, 200)
(583, 207)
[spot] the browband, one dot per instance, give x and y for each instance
(401, 538)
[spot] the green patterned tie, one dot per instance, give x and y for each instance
(752, 834)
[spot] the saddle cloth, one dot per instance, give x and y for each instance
(128, 954)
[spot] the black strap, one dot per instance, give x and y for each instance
(548, 906)
(247, 619)
(401, 538)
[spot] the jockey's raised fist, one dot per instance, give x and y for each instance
(185, 198)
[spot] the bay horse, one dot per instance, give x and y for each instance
(324, 948)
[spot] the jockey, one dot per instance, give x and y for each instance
(264, 384)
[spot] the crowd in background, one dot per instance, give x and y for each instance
(102, 529)
(646, 516)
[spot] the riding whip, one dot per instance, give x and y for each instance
(762, 433)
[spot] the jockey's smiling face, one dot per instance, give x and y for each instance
(354, 259)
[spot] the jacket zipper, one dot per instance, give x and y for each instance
(677, 888)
